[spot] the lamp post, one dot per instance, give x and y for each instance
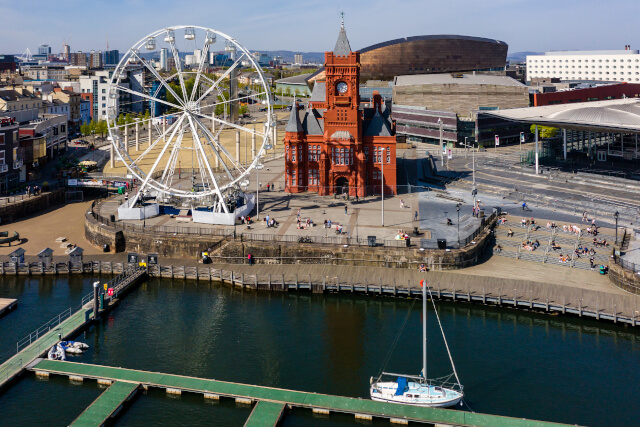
(474, 191)
(441, 146)
(458, 209)
(616, 215)
(258, 167)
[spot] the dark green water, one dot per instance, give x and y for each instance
(511, 362)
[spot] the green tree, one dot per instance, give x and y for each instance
(120, 120)
(85, 129)
(287, 91)
(147, 115)
(243, 109)
(102, 128)
(128, 118)
(544, 131)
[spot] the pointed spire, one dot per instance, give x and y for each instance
(294, 124)
(342, 44)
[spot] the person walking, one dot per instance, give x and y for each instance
(415, 216)
(250, 259)
(401, 204)
(345, 209)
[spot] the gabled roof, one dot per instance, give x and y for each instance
(311, 123)
(319, 92)
(18, 252)
(46, 252)
(378, 126)
(294, 124)
(76, 251)
(294, 80)
(342, 44)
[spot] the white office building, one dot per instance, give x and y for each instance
(596, 65)
(164, 52)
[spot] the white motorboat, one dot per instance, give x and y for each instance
(419, 390)
(57, 353)
(73, 347)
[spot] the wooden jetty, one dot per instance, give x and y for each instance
(6, 305)
(64, 326)
(270, 402)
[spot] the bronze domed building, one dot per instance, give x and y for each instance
(430, 54)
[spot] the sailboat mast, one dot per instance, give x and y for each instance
(424, 329)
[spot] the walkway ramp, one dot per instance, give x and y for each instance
(108, 404)
(265, 414)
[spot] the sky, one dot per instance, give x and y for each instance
(312, 26)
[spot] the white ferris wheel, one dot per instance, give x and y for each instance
(187, 79)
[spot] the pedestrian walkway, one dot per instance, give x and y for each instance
(106, 405)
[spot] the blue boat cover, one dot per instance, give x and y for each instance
(402, 386)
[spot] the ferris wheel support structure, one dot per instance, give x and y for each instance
(189, 110)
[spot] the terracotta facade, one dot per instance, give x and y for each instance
(340, 145)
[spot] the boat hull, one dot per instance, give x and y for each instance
(435, 404)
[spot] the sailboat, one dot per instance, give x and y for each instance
(418, 390)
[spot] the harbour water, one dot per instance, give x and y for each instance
(512, 363)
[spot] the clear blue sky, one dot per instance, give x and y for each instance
(311, 26)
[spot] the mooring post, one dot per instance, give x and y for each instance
(484, 296)
(547, 305)
(597, 311)
(580, 307)
(269, 281)
(324, 283)
(242, 280)
(221, 276)
(380, 284)
(232, 281)
(395, 287)
(255, 280)
(564, 305)
(615, 314)
(284, 285)
(310, 288)
(338, 283)
(296, 281)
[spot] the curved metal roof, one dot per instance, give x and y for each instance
(611, 115)
(429, 37)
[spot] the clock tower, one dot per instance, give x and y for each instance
(339, 146)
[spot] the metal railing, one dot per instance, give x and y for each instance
(627, 264)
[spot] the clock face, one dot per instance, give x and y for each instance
(342, 87)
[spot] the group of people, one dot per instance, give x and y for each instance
(593, 230)
(327, 223)
(271, 222)
(339, 229)
(571, 228)
(602, 243)
(303, 225)
(531, 245)
(35, 190)
(527, 222)
(402, 235)
(244, 219)
(583, 251)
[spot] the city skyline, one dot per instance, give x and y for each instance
(305, 28)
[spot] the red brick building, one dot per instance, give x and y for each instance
(338, 145)
(598, 93)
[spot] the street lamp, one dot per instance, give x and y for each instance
(458, 209)
(616, 215)
(441, 146)
(258, 167)
(474, 191)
